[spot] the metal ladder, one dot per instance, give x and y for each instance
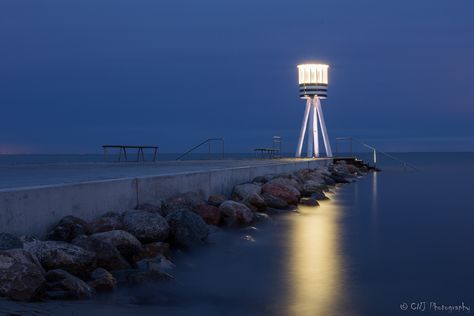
(207, 141)
(375, 152)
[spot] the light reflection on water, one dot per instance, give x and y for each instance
(314, 271)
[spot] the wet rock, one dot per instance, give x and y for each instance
(9, 241)
(319, 195)
(107, 222)
(311, 186)
(124, 242)
(107, 255)
(146, 226)
(186, 201)
(140, 277)
(63, 285)
(187, 228)
(102, 280)
(242, 192)
(262, 217)
(209, 213)
(61, 255)
(152, 250)
(21, 276)
(159, 263)
(235, 213)
(309, 202)
(216, 200)
(285, 192)
(338, 178)
(69, 228)
(274, 202)
(328, 180)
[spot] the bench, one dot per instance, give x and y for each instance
(123, 149)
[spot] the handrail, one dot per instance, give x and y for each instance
(209, 140)
(375, 151)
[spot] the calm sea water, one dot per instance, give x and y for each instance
(393, 238)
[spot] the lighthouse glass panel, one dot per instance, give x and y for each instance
(313, 80)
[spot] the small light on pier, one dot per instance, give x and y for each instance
(313, 86)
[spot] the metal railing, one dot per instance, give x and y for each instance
(207, 141)
(374, 150)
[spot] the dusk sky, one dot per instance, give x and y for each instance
(78, 74)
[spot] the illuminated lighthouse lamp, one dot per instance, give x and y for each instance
(313, 86)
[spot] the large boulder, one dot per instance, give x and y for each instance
(146, 226)
(107, 255)
(274, 202)
(209, 213)
(61, 255)
(186, 201)
(216, 200)
(244, 191)
(235, 213)
(308, 201)
(68, 228)
(9, 241)
(107, 222)
(127, 244)
(285, 192)
(289, 183)
(187, 228)
(311, 186)
(159, 263)
(255, 201)
(63, 285)
(21, 276)
(102, 280)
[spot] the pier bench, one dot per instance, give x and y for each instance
(123, 149)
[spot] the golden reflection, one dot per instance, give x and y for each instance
(315, 269)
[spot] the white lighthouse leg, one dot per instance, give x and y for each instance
(327, 145)
(315, 131)
(310, 143)
(303, 129)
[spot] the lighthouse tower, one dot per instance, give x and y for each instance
(313, 86)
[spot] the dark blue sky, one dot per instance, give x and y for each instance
(77, 74)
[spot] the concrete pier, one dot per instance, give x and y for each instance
(34, 209)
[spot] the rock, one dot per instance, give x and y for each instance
(107, 222)
(152, 250)
(187, 228)
(61, 255)
(68, 228)
(63, 285)
(328, 180)
(292, 183)
(186, 201)
(9, 241)
(256, 201)
(21, 276)
(235, 213)
(146, 226)
(338, 178)
(319, 195)
(260, 179)
(209, 213)
(311, 186)
(285, 192)
(102, 280)
(274, 202)
(159, 263)
(244, 191)
(216, 200)
(309, 202)
(262, 217)
(124, 242)
(107, 255)
(150, 207)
